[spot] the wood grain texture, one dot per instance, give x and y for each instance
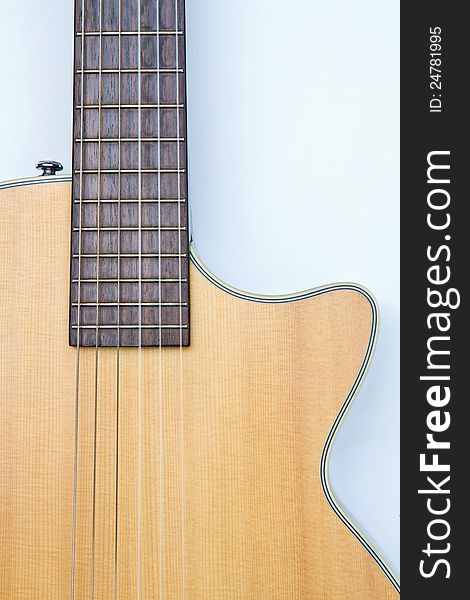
(232, 457)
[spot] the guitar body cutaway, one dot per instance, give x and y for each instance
(215, 453)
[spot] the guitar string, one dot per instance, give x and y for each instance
(139, 376)
(118, 330)
(180, 291)
(97, 331)
(118, 344)
(160, 331)
(77, 375)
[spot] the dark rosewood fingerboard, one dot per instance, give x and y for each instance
(129, 265)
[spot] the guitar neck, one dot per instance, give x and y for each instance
(129, 283)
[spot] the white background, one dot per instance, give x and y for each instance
(294, 157)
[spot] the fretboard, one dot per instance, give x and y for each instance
(129, 270)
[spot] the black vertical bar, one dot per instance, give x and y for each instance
(440, 569)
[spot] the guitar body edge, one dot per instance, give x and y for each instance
(336, 426)
(210, 484)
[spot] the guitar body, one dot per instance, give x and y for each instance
(214, 452)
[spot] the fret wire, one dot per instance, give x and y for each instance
(100, 71)
(79, 106)
(143, 255)
(134, 33)
(132, 139)
(134, 326)
(132, 201)
(128, 280)
(171, 304)
(158, 228)
(125, 171)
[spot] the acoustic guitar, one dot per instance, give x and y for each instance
(163, 435)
